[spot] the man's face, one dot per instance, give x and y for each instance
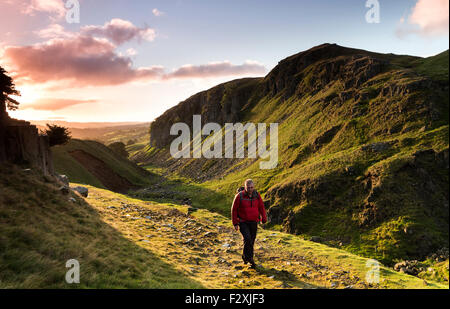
(249, 187)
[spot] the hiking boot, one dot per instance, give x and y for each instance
(243, 259)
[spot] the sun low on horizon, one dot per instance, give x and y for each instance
(118, 61)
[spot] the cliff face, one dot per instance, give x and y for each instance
(221, 104)
(20, 143)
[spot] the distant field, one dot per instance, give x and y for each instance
(106, 133)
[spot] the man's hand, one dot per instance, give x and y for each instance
(236, 227)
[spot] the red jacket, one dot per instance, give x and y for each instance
(248, 209)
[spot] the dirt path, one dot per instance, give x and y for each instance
(209, 251)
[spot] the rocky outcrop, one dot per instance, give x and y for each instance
(21, 143)
(296, 74)
(221, 104)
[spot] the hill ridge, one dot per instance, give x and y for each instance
(344, 115)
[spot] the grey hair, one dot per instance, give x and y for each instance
(248, 181)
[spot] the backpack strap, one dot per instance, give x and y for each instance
(240, 198)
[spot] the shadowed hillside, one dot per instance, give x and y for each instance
(93, 163)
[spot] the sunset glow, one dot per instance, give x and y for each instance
(121, 66)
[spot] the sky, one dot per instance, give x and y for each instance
(130, 60)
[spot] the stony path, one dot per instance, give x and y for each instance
(209, 251)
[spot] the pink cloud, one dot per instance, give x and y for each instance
(120, 31)
(431, 16)
(216, 69)
(51, 104)
(55, 7)
(90, 58)
(80, 60)
(428, 18)
(53, 31)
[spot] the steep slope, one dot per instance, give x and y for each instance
(363, 148)
(93, 163)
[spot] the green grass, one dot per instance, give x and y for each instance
(40, 230)
(435, 66)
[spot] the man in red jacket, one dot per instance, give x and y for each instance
(247, 210)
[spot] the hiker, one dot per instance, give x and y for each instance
(246, 212)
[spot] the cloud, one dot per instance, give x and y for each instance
(90, 58)
(120, 31)
(53, 31)
(217, 69)
(51, 104)
(131, 52)
(55, 7)
(157, 12)
(428, 18)
(431, 16)
(80, 61)
(56, 118)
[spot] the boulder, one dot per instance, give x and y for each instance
(408, 267)
(187, 201)
(191, 209)
(64, 179)
(82, 190)
(377, 147)
(316, 239)
(64, 190)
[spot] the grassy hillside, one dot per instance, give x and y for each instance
(40, 229)
(122, 242)
(435, 66)
(363, 150)
(93, 163)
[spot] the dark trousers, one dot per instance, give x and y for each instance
(248, 231)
